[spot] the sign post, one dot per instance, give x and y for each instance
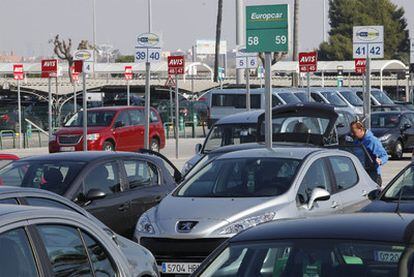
(176, 67)
(368, 43)
(75, 79)
(412, 68)
(246, 61)
(267, 31)
(49, 70)
(18, 76)
(148, 50)
(128, 76)
(171, 83)
(80, 67)
(308, 62)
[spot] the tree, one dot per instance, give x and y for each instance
(63, 51)
(85, 45)
(344, 14)
(277, 56)
(125, 59)
(218, 38)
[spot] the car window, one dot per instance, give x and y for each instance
(403, 186)
(104, 177)
(154, 117)
(344, 172)
(317, 176)
(124, 118)
(11, 201)
(43, 202)
(255, 100)
(140, 173)
(16, 256)
(65, 250)
(101, 263)
(342, 120)
(12, 176)
(137, 117)
(276, 101)
(317, 97)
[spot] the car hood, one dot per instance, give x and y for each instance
(78, 130)
(379, 132)
(379, 206)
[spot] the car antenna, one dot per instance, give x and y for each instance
(397, 209)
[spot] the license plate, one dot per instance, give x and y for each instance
(387, 256)
(179, 268)
(67, 148)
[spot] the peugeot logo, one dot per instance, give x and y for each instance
(185, 226)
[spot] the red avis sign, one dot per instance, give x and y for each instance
(75, 75)
(360, 66)
(176, 65)
(128, 72)
(49, 68)
(18, 72)
(308, 62)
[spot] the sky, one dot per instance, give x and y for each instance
(26, 26)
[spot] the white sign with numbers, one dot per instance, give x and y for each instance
(148, 48)
(368, 42)
(245, 59)
(412, 51)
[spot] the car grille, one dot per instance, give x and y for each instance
(168, 250)
(69, 139)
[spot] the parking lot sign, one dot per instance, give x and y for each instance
(360, 66)
(128, 72)
(148, 48)
(368, 42)
(18, 72)
(176, 65)
(246, 59)
(308, 62)
(49, 68)
(267, 28)
(412, 55)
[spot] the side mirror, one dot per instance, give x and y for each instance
(198, 147)
(95, 194)
(374, 194)
(119, 124)
(318, 194)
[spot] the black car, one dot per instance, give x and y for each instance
(341, 245)
(114, 187)
(395, 130)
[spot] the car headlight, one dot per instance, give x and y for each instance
(385, 137)
(187, 166)
(144, 225)
(242, 224)
(93, 137)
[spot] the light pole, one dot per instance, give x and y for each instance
(94, 30)
(324, 21)
(239, 34)
(147, 88)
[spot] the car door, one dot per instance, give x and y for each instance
(407, 133)
(137, 121)
(347, 184)
(113, 208)
(317, 176)
(123, 132)
(144, 188)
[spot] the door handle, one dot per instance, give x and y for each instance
(364, 193)
(124, 207)
(334, 205)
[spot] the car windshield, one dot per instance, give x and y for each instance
(402, 187)
(95, 118)
(303, 96)
(352, 98)
(55, 176)
(242, 177)
(299, 124)
(289, 98)
(385, 120)
(382, 97)
(333, 98)
(310, 257)
(228, 134)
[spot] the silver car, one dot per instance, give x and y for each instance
(245, 188)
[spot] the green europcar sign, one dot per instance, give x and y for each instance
(267, 28)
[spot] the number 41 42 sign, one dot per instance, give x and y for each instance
(368, 42)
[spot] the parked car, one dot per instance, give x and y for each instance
(352, 100)
(109, 129)
(114, 187)
(6, 159)
(378, 97)
(343, 126)
(244, 188)
(341, 245)
(330, 96)
(388, 108)
(395, 130)
(38, 241)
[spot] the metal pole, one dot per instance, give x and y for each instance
(94, 31)
(50, 108)
(75, 101)
(367, 95)
(308, 84)
(171, 106)
(247, 74)
(239, 34)
(128, 94)
(147, 103)
(19, 108)
(324, 20)
(193, 59)
(268, 101)
(149, 16)
(177, 108)
(85, 114)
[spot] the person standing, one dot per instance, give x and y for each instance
(372, 144)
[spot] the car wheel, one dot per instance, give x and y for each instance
(155, 145)
(108, 146)
(398, 151)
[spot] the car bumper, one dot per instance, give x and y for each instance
(55, 147)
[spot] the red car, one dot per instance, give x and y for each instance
(109, 129)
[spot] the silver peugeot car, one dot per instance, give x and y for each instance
(245, 188)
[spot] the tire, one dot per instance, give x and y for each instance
(155, 145)
(108, 146)
(397, 152)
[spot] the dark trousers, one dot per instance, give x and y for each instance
(379, 180)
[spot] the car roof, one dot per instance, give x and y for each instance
(81, 156)
(275, 152)
(115, 108)
(388, 227)
(243, 117)
(392, 112)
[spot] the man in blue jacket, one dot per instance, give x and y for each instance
(372, 144)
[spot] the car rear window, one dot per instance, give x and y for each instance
(237, 101)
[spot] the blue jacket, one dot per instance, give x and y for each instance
(374, 148)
